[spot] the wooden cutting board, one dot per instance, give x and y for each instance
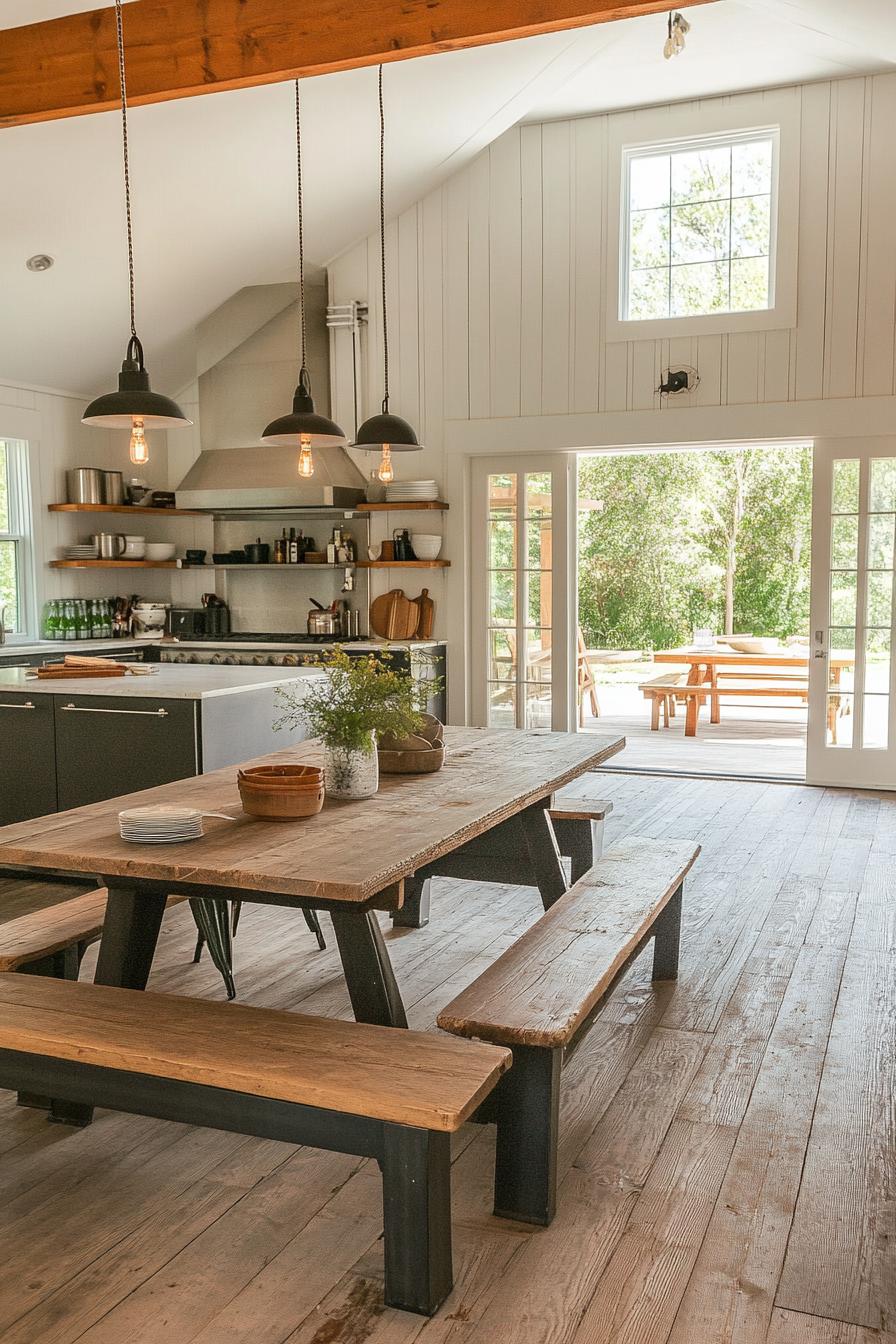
(79, 673)
(427, 610)
(394, 616)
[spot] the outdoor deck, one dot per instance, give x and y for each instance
(728, 1142)
(765, 740)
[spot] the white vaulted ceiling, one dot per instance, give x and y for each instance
(214, 177)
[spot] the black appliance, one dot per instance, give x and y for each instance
(187, 622)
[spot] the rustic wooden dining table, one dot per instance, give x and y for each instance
(351, 860)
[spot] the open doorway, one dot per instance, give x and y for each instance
(693, 606)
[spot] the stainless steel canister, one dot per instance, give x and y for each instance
(85, 485)
(113, 488)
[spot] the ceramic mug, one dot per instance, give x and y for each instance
(134, 548)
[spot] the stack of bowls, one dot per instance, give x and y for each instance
(281, 792)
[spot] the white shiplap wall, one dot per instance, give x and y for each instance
(500, 278)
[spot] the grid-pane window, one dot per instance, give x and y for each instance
(14, 532)
(699, 227)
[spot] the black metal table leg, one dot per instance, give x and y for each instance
(416, 1218)
(544, 856)
(575, 838)
(414, 914)
(368, 971)
(130, 933)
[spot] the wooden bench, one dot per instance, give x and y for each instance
(375, 1091)
(541, 996)
(578, 829)
(50, 938)
(661, 693)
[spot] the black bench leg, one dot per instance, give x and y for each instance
(667, 938)
(528, 1115)
(416, 1218)
(62, 965)
(414, 914)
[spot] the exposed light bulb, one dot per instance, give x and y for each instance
(386, 472)
(138, 447)
(306, 461)
(678, 26)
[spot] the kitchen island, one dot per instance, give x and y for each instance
(67, 743)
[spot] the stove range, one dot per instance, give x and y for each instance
(226, 650)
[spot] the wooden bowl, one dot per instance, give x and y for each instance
(283, 777)
(287, 805)
(411, 762)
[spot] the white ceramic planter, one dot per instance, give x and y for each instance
(352, 774)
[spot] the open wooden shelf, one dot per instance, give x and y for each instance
(125, 508)
(114, 564)
(403, 564)
(398, 507)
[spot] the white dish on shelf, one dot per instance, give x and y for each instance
(427, 545)
(160, 550)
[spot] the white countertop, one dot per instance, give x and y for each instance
(63, 646)
(189, 681)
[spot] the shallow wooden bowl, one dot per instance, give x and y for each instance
(283, 777)
(287, 805)
(411, 762)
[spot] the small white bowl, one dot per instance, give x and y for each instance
(374, 552)
(426, 545)
(160, 550)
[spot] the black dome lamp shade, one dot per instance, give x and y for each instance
(134, 406)
(303, 428)
(386, 433)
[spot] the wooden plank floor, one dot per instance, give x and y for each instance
(728, 1161)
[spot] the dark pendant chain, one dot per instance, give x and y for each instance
(383, 243)
(127, 169)
(300, 223)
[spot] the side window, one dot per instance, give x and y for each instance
(15, 529)
(698, 227)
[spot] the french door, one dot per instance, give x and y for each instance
(852, 674)
(523, 570)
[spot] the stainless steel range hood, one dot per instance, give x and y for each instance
(266, 478)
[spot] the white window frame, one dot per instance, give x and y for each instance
(20, 532)
(677, 128)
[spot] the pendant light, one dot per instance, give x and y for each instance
(134, 406)
(303, 427)
(385, 432)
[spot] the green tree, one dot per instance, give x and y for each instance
(671, 541)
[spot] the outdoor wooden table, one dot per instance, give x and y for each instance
(704, 666)
(350, 860)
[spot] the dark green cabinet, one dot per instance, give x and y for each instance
(111, 745)
(27, 757)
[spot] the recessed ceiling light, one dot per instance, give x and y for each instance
(39, 262)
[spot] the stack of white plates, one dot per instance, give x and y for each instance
(408, 492)
(81, 551)
(160, 824)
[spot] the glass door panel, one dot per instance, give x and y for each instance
(852, 726)
(518, 522)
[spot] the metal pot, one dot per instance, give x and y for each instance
(322, 621)
(113, 488)
(109, 545)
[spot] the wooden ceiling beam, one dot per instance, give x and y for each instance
(178, 48)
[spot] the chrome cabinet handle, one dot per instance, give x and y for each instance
(28, 704)
(83, 709)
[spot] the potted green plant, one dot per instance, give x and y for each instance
(358, 699)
